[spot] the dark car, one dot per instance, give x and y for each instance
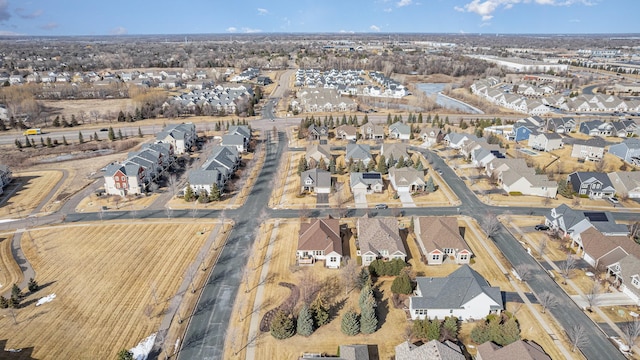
(381, 206)
(541, 227)
(104, 129)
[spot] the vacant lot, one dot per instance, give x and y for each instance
(27, 190)
(112, 285)
(68, 108)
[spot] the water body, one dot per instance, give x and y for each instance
(444, 101)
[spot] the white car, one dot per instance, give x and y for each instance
(620, 344)
(614, 200)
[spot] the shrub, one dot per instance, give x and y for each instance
(402, 284)
(387, 268)
(282, 326)
(515, 193)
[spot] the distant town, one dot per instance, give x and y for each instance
(309, 196)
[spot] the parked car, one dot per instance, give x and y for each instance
(381, 206)
(614, 200)
(541, 227)
(104, 129)
(620, 344)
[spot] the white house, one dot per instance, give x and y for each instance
(464, 294)
(545, 141)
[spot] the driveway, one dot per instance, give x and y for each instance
(360, 198)
(407, 200)
(322, 199)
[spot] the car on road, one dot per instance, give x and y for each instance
(613, 199)
(620, 344)
(438, 171)
(541, 227)
(381, 206)
(104, 129)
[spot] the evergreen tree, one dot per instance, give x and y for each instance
(18, 144)
(371, 165)
(350, 325)
(64, 140)
(111, 134)
(121, 117)
(366, 119)
(74, 121)
(429, 120)
(364, 278)
(382, 165)
(433, 330)
(420, 118)
(140, 132)
(95, 136)
(320, 311)
(120, 137)
(389, 121)
(214, 195)
(332, 165)
(450, 328)
(510, 332)
(302, 165)
(368, 318)
(402, 284)
(365, 293)
(49, 142)
(3, 302)
(419, 328)
(27, 142)
(305, 321)
(400, 163)
(322, 165)
(355, 120)
(33, 285)
(188, 193)
(429, 186)
(56, 121)
(282, 326)
(203, 197)
(41, 141)
(125, 354)
(33, 143)
(14, 302)
(15, 291)
(80, 137)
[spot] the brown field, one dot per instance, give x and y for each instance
(67, 108)
(10, 272)
(104, 277)
(32, 188)
(93, 202)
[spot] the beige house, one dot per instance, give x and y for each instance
(320, 240)
(406, 179)
(440, 240)
(379, 238)
(317, 152)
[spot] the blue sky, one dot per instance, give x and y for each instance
(93, 17)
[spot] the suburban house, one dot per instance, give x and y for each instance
(368, 182)
(595, 185)
(591, 149)
(124, 179)
(224, 159)
(242, 130)
(627, 274)
(515, 177)
(320, 240)
(624, 128)
(393, 152)
(431, 136)
(457, 141)
(379, 238)
(399, 130)
(316, 152)
(406, 179)
(203, 180)
(598, 249)
(315, 180)
(521, 350)
(523, 128)
(464, 294)
(545, 141)
(628, 150)
(236, 141)
(358, 152)
(347, 132)
(432, 350)
(573, 222)
(626, 183)
(370, 131)
(181, 136)
(596, 128)
(440, 240)
(563, 125)
(318, 132)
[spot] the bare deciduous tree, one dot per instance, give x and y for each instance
(631, 331)
(547, 300)
(348, 274)
(566, 268)
(524, 271)
(578, 337)
(309, 285)
(542, 246)
(490, 225)
(594, 295)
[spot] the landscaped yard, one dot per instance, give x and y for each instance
(105, 277)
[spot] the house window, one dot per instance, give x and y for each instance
(635, 280)
(436, 257)
(464, 257)
(448, 251)
(420, 311)
(333, 259)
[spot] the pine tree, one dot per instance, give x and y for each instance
(14, 302)
(320, 311)
(49, 142)
(332, 165)
(33, 285)
(510, 332)
(365, 120)
(322, 165)
(402, 284)
(400, 163)
(433, 329)
(125, 354)
(368, 318)
(56, 121)
(450, 328)
(111, 134)
(33, 143)
(3, 302)
(282, 326)
(95, 136)
(140, 132)
(365, 294)
(41, 141)
(430, 186)
(382, 165)
(420, 118)
(120, 137)
(74, 121)
(364, 278)
(350, 323)
(302, 165)
(27, 142)
(188, 193)
(305, 321)
(389, 121)
(214, 194)
(121, 117)
(18, 144)
(80, 137)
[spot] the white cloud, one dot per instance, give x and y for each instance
(250, 30)
(403, 3)
(49, 26)
(231, 29)
(486, 8)
(374, 28)
(346, 32)
(262, 11)
(118, 31)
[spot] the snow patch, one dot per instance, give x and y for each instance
(46, 299)
(142, 350)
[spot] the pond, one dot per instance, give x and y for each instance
(445, 101)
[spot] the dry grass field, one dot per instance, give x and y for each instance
(10, 272)
(31, 188)
(67, 108)
(105, 277)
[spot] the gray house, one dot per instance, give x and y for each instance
(316, 180)
(595, 185)
(628, 150)
(358, 152)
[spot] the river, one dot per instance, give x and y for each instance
(444, 101)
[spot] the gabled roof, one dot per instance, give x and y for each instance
(591, 176)
(240, 130)
(627, 180)
(369, 178)
(597, 245)
(316, 152)
(358, 152)
(593, 142)
(631, 143)
(321, 178)
(406, 176)
(396, 150)
(454, 291)
(376, 234)
(320, 234)
(354, 352)
(629, 267)
(349, 130)
(232, 140)
(203, 177)
(437, 233)
(521, 350)
(400, 128)
(432, 350)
